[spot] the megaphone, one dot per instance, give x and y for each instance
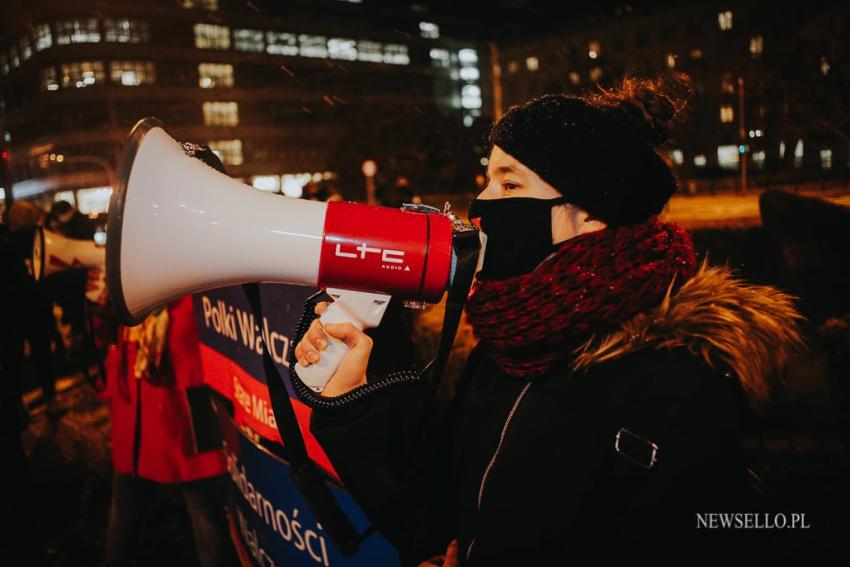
(178, 226)
(53, 252)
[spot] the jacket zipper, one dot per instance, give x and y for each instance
(495, 456)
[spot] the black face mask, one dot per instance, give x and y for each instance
(519, 234)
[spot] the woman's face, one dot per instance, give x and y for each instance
(507, 177)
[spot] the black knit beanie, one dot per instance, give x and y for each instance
(601, 158)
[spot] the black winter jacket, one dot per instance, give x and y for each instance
(624, 446)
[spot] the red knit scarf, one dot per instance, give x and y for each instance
(593, 281)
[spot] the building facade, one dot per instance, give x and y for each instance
(771, 82)
(284, 92)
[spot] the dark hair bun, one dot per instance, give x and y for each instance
(653, 104)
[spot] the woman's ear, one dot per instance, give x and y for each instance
(589, 224)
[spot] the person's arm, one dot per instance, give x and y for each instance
(396, 467)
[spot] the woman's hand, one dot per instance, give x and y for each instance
(352, 369)
(448, 560)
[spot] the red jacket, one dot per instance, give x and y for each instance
(151, 433)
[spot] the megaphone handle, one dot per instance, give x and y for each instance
(363, 310)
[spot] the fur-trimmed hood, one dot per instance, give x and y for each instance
(750, 329)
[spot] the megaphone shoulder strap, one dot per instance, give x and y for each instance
(310, 482)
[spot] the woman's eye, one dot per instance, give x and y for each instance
(509, 186)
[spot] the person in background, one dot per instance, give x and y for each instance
(149, 369)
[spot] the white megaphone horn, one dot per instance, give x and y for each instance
(54, 252)
(178, 226)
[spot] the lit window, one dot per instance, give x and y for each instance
(82, 74)
(470, 97)
(724, 19)
(49, 82)
(125, 30)
(211, 75)
(696, 53)
(248, 40)
(532, 63)
(312, 45)
(756, 45)
(270, 183)
(429, 30)
(14, 59)
(339, 48)
(671, 60)
(228, 151)
(440, 57)
(824, 66)
(593, 49)
(43, 37)
(373, 52)
(210, 5)
(781, 150)
(826, 159)
(467, 56)
(25, 48)
(77, 31)
(575, 78)
(728, 156)
(595, 74)
(727, 113)
(221, 114)
(281, 43)
(210, 36)
(798, 154)
(677, 156)
(293, 183)
(513, 67)
(700, 161)
(132, 73)
(470, 73)
(93, 200)
(396, 54)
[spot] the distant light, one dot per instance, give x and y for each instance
(824, 66)
(467, 56)
(316, 177)
(671, 60)
(468, 120)
(700, 160)
(728, 156)
(759, 133)
(798, 149)
(60, 158)
(93, 200)
(592, 54)
(532, 63)
(469, 73)
(678, 157)
(742, 149)
(292, 187)
(270, 183)
(369, 168)
(429, 30)
(593, 49)
(752, 134)
(100, 237)
(781, 150)
(484, 161)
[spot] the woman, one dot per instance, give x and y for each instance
(605, 397)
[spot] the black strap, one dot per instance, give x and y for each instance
(307, 478)
(467, 246)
